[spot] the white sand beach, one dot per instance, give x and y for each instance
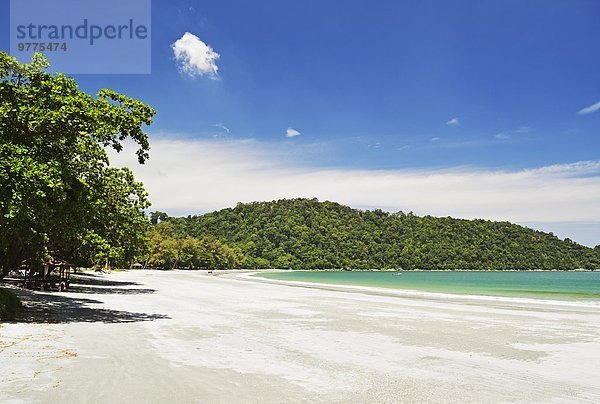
(156, 337)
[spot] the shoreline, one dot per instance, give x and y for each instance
(415, 293)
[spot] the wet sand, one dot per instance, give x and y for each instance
(151, 336)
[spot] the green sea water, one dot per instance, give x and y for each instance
(534, 284)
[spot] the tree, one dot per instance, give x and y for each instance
(170, 250)
(59, 195)
(158, 217)
(116, 218)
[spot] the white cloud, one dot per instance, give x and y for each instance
(580, 168)
(521, 130)
(195, 176)
(453, 122)
(220, 125)
(588, 110)
(435, 139)
(291, 132)
(194, 57)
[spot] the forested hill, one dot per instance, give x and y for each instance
(308, 234)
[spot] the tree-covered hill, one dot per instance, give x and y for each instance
(308, 234)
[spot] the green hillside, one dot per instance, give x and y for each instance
(308, 234)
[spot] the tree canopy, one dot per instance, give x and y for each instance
(308, 234)
(59, 195)
(172, 250)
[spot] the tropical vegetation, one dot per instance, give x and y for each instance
(171, 250)
(59, 195)
(308, 234)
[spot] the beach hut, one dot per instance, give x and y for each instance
(54, 274)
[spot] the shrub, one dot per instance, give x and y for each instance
(10, 305)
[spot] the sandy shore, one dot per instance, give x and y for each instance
(179, 336)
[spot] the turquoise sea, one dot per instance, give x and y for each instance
(535, 284)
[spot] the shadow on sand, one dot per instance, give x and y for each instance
(42, 307)
(90, 290)
(95, 280)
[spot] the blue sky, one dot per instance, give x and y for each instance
(385, 87)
